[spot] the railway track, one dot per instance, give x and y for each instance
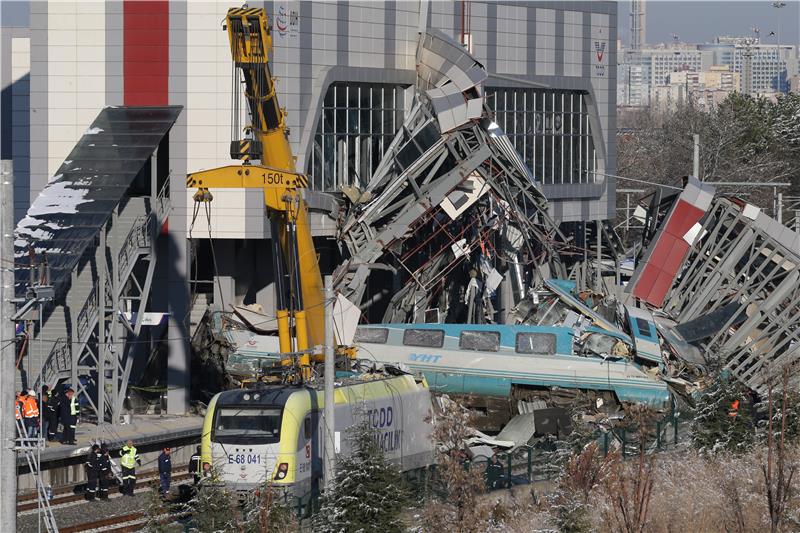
(120, 524)
(68, 497)
(117, 523)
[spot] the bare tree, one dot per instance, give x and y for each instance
(461, 483)
(743, 139)
(629, 486)
(778, 482)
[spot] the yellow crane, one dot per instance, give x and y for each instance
(298, 283)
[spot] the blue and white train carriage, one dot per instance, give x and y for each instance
(515, 360)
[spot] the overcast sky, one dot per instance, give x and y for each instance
(701, 21)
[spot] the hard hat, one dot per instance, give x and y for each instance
(31, 393)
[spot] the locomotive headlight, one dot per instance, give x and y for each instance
(256, 396)
(283, 469)
(246, 397)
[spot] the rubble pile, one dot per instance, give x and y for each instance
(453, 229)
(450, 206)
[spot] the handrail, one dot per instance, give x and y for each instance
(59, 359)
(89, 307)
(138, 237)
(163, 202)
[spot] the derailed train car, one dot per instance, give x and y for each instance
(275, 433)
(517, 361)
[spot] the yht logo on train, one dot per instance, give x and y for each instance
(424, 358)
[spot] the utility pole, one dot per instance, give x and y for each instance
(696, 158)
(329, 457)
(8, 457)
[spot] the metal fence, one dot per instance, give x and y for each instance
(525, 465)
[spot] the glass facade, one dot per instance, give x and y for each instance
(357, 123)
(550, 129)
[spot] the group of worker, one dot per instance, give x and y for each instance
(53, 408)
(99, 474)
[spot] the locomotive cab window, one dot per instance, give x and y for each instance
(247, 425)
(536, 343)
(427, 338)
(480, 341)
(372, 335)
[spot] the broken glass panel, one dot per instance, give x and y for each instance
(371, 335)
(480, 341)
(429, 338)
(605, 346)
(536, 343)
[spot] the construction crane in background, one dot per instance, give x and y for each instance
(298, 283)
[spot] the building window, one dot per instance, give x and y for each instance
(357, 123)
(550, 129)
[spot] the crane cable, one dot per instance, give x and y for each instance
(214, 255)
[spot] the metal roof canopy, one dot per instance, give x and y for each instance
(67, 215)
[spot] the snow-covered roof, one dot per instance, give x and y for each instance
(65, 218)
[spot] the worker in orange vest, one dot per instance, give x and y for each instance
(30, 412)
(18, 403)
(734, 409)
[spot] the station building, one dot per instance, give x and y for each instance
(345, 74)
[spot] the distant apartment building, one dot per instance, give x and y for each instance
(666, 97)
(667, 75)
(771, 66)
(706, 88)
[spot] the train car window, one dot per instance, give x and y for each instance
(644, 327)
(307, 428)
(428, 338)
(372, 335)
(598, 344)
(480, 341)
(536, 343)
(245, 424)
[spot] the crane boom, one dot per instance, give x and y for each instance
(298, 283)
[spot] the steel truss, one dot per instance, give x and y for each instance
(748, 258)
(397, 222)
(100, 355)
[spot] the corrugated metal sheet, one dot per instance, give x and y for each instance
(65, 218)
